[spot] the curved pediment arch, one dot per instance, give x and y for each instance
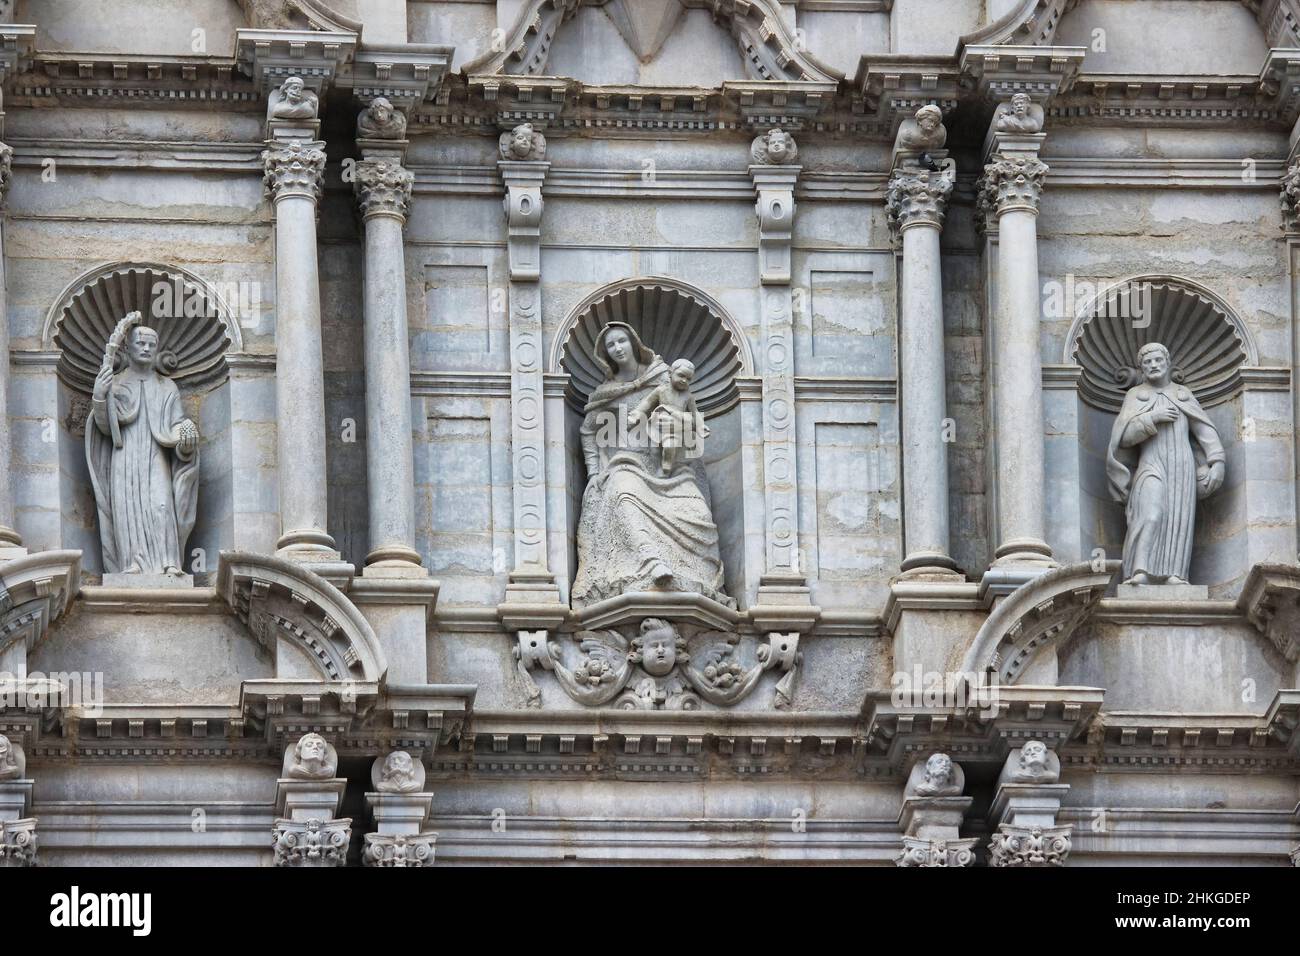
(768, 47)
(299, 14)
(277, 599)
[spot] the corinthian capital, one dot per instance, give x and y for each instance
(1290, 195)
(1012, 182)
(294, 168)
(915, 196)
(383, 188)
(1029, 846)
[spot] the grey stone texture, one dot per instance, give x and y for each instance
(913, 261)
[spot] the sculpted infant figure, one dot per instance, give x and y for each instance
(675, 421)
(522, 143)
(776, 147)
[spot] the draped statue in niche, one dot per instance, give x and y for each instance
(143, 455)
(646, 521)
(1164, 454)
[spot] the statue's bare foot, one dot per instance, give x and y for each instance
(1174, 579)
(1140, 578)
(173, 571)
(133, 569)
(662, 575)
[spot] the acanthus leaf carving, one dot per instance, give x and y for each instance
(294, 168)
(383, 188)
(1013, 182)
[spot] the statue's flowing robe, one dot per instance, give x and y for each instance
(634, 518)
(1153, 468)
(146, 490)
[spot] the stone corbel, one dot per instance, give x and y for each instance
(1025, 809)
(17, 829)
(307, 832)
(932, 814)
(523, 208)
(272, 56)
(775, 208)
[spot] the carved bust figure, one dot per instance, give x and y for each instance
(1164, 454)
(523, 143)
(311, 758)
(380, 120)
(776, 147)
(659, 648)
(923, 132)
(292, 101)
(11, 760)
(1032, 763)
(143, 455)
(1019, 115)
(399, 772)
(939, 777)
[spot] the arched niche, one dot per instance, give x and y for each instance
(196, 329)
(1211, 350)
(675, 320)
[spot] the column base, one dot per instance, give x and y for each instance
(394, 556)
(1016, 551)
(925, 565)
(306, 545)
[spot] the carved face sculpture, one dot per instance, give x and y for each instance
(521, 141)
(681, 374)
(938, 770)
(1033, 758)
(1154, 358)
(777, 145)
(929, 118)
(381, 111)
(399, 770)
(1020, 104)
(310, 756)
(8, 763)
(658, 649)
(618, 344)
(142, 346)
(292, 89)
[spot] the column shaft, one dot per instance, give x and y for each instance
(389, 451)
(924, 402)
(299, 378)
(9, 537)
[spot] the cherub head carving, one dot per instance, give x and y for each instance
(776, 147)
(522, 143)
(380, 120)
(659, 648)
(399, 772)
(311, 758)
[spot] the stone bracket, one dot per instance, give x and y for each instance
(523, 208)
(271, 56)
(775, 208)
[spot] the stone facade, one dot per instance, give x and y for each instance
(655, 431)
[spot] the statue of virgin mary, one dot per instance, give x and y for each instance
(639, 530)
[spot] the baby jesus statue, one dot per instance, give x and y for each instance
(674, 421)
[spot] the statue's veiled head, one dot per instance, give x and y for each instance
(619, 348)
(1154, 359)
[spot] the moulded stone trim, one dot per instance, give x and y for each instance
(245, 579)
(1045, 612)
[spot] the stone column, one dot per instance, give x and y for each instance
(295, 166)
(1025, 807)
(932, 813)
(1291, 229)
(307, 796)
(400, 806)
(383, 189)
(11, 543)
(916, 201)
(1013, 179)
